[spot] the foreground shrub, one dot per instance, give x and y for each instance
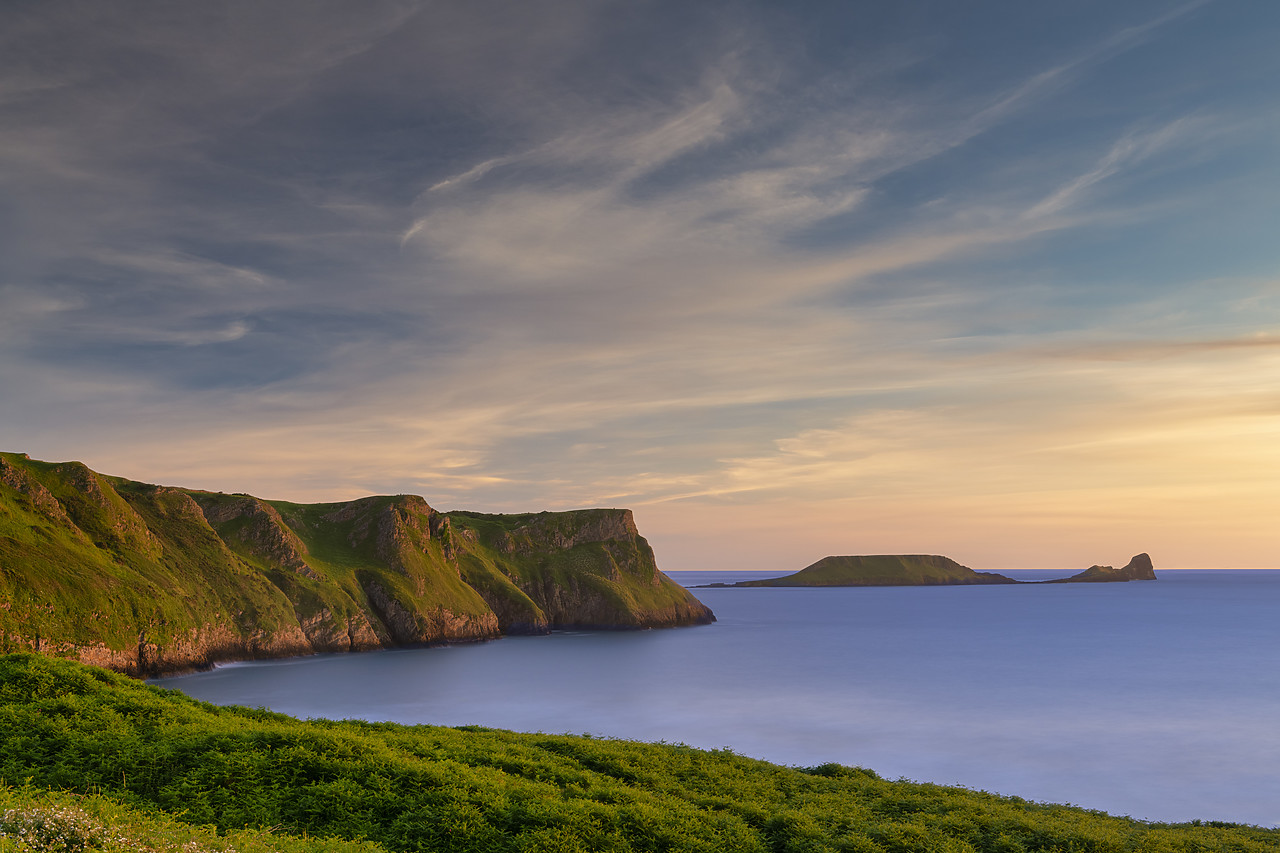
(432, 788)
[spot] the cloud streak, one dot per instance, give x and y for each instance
(682, 259)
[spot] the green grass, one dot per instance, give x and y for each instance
(34, 820)
(68, 727)
(65, 586)
(89, 562)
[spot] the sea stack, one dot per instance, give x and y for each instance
(1138, 569)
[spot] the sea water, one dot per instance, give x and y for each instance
(1159, 700)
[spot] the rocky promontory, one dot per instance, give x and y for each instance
(149, 579)
(1139, 568)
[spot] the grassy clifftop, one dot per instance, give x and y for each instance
(147, 579)
(161, 755)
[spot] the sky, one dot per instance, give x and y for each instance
(994, 280)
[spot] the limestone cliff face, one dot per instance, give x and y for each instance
(585, 569)
(148, 579)
(437, 625)
(257, 526)
(555, 531)
(41, 498)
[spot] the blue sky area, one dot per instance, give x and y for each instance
(998, 280)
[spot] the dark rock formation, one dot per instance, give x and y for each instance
(1138, 569)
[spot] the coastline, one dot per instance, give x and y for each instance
(1062, 694)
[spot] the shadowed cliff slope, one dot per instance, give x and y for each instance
(147, 579)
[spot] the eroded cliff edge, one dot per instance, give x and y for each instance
(149, 579)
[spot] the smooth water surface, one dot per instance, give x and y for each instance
(1156, 699)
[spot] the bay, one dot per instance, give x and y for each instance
(1160, 700)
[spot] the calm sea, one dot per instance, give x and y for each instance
(1160, 700)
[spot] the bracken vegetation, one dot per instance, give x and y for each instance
(161, 757)
(36, 821)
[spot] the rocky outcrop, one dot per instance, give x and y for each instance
(583, 569)
(85, 503)
(257, 526)
(148, 579)
(1139, 568)
(547, 531)
(41, 498)
(327, 631)
(437, 625)
(98, 510)
(199, 649)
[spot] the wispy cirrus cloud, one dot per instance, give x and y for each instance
(1128, 151)
(678, 257)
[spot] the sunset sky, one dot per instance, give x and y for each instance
(995, 280)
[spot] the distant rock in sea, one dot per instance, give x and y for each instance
(1138, 569)
(883, 570)
(928, 570)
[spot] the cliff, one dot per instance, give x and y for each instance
(147, 579)
(884, 570)
(1138, 569)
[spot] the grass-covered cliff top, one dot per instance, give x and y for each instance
(167, 758)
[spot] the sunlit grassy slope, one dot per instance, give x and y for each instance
(83, 729)
(34, 820)
(143, 578)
